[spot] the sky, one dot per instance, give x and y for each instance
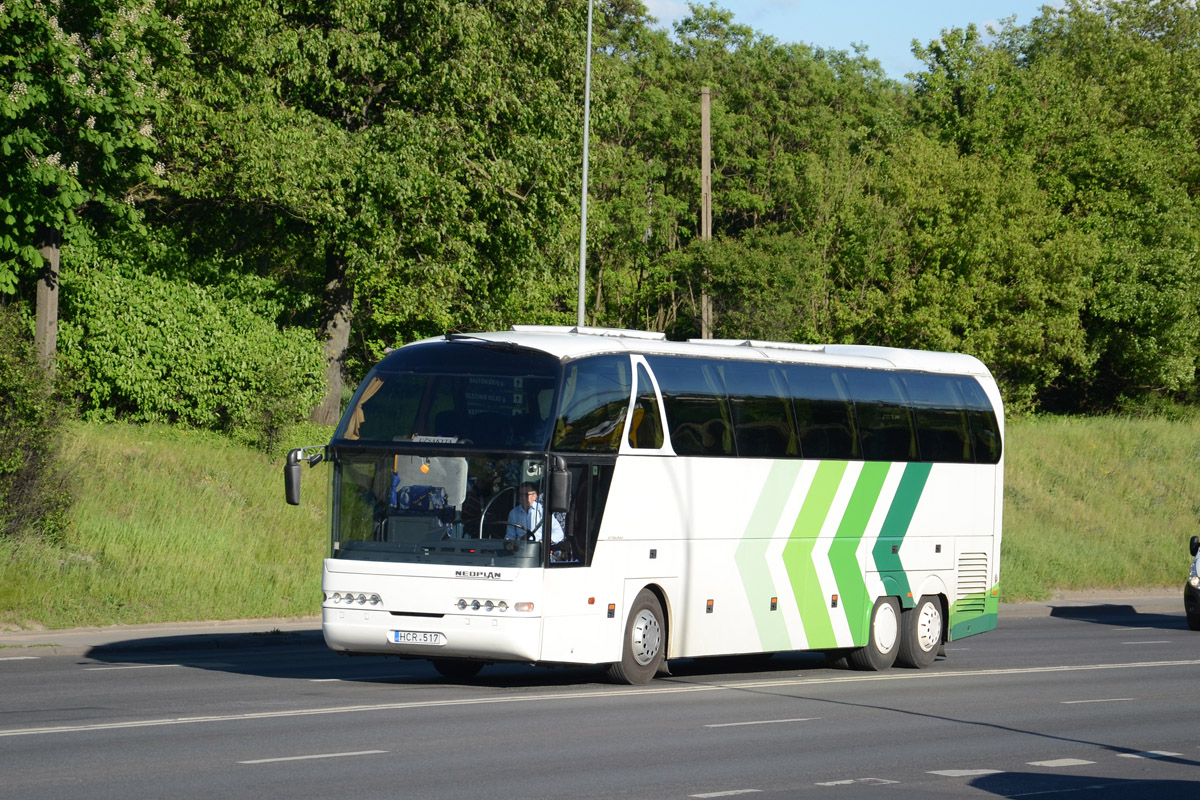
(886, 27)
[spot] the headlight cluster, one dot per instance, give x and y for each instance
(353, 599)
(1194, 580)
(481, 605)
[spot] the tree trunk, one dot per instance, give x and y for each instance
(49, 244)
(336, 313)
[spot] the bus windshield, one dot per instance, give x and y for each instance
(454, 393)
(479, 510)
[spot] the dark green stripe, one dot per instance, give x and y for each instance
(895, 526)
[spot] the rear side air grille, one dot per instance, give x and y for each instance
(972, 581)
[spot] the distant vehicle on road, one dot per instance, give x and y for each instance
(1191, 589)
(592, 496)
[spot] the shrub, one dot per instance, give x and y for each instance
(33, 488)
(146, 349)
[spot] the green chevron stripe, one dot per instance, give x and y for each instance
(895, 525)
(797, 554)
(843, 552)
(751, 554)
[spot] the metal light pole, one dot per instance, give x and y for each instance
(587, 111)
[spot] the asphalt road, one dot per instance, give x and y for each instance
(1088, 700)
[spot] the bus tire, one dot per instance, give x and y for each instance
(644, 645)
(883, 640)
(457, 669)
(920, 633)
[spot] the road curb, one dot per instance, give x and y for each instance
(178, 636)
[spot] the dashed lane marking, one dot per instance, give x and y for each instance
(318, 755)
(1103, 700)
(729, 793)
(1150, 754)
(759, 722)
(964, 773)
(1061, 762)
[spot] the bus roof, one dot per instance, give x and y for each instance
(566, 342)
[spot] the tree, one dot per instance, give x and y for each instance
(79, 99)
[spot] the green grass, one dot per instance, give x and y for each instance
(1098, 503)
(172, 525)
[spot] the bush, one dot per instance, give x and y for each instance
(148, 349)
(33, 488)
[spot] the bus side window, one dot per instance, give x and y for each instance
(824, 415)
(943, 433)
(884, 421)
(697, 414)
(593, 404)
(761, 418)
(985, 431)
(645, 427)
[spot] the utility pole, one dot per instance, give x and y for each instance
(705, 208)
(587, 112)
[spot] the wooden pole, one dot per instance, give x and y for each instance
(705, 207)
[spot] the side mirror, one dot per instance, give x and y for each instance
(1195, 544)
(291, 478)
(560, 485)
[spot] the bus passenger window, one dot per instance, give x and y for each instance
(985, 431)
(943, 433)
(645, 427)
(884, 422)
(697, 414)
(762, 425)
(594, 399)
(824, 416)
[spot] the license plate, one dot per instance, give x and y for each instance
(416, 637)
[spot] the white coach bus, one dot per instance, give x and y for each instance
(562, 495)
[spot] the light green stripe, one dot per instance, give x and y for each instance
(843, 552)
(751, 555)
(797, 554)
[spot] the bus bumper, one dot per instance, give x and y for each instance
(494, 637)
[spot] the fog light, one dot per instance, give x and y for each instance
(462, 604)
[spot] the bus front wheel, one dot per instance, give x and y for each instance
(644, 645)
(883, 643)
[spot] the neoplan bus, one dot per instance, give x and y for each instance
(710, 497)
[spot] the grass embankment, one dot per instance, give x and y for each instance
(170, 525)
(173, 525)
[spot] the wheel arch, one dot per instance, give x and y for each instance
(665, 603)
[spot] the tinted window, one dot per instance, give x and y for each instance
(824, 415)
(943, 432)
(884, 422)
(694, 397)
(595, 397)
(985, 432)
(455, 393)
(759, 407)
(645, 428)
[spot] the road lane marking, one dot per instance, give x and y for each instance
(602, 694)
(318, 755)
(729, 793)
(1060, 762)
(1157, 641)
(1150, 754)
(867, 781)
(131, 666)
(1105, 700)
(964, 773)
(759, 722)
(20, 658)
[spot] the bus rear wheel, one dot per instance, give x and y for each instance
(883, 643)
(920, 633)
(644, 644)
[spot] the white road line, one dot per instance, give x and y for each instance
(596, 694)
(1157, 641)
(759, 722)
(1105, 700)
(319, 755)
(20, 658)
(1150, 754)
(729, 793)
(1060, 762)
(131, 666)
(964, 773)
(867, 781)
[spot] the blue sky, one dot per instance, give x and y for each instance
(887, 28)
